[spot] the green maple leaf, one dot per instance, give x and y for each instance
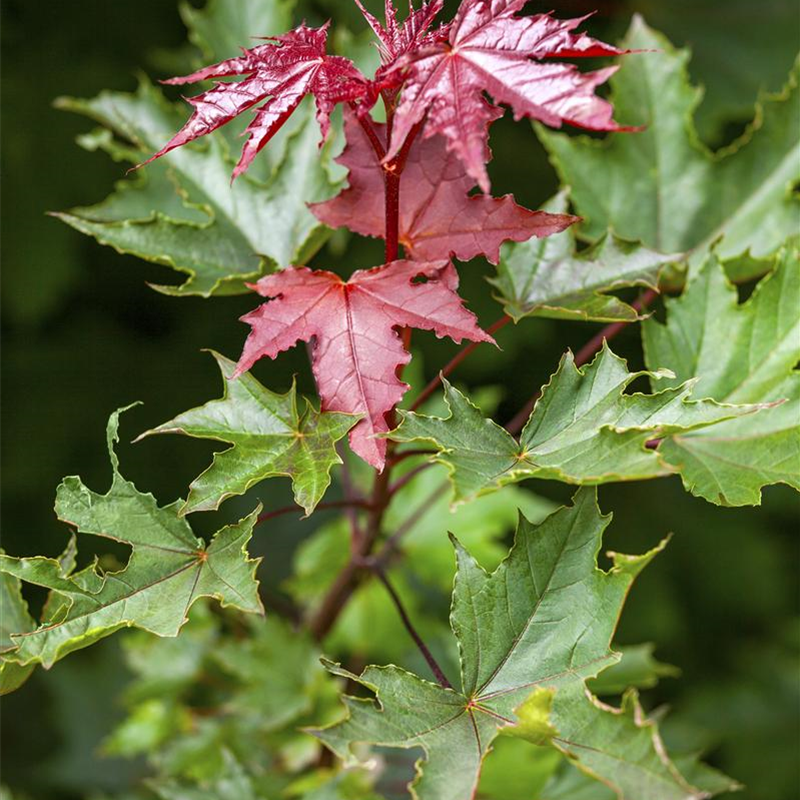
(584, 429)
(637, 668)
(765, 45)
(549, 278)
(270, 437)
(661, 186)
(741, 354)
(14, 619)
(535, 628)
(185, 213)
(168, 569)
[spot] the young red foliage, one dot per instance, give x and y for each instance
(438, 216)
(396, 39)
(353, 328)
(281, 75)
(489, 49)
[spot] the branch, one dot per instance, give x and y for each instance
(454, 362)
(426, 653)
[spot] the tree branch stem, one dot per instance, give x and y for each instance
(437, 671)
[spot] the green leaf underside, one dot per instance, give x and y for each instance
(270, 437)
(618, 746)
(549, 278)
(185, 213)
(584, 430)
(540, 624)
(14, 618)
(168, 570)
(741, 354)
(661, 186)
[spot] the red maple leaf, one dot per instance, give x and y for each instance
(489, 49)
(438, 216)
(353, 326)
(395, 39)
(281, 74)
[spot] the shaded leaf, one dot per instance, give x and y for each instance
(278, 672)
(549, 278)
(438, 215)
(14, 619)
(357, 348)
(168, 570)
(739, 354)
(765, 45)
(584, 429)
(544, 618)
(489, 49)
(662, 187)
(184, 213)
(270, 437)
(637, 668)
(222, 27)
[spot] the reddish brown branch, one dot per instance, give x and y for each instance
(441, 678)
(356, 502)
(371, 133)
(465, 352)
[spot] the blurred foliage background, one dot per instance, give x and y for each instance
(83, 334)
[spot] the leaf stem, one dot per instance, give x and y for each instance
(437, 671)
(371, 133)
(354, 502)
(450, 367)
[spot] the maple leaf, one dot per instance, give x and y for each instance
(552, 278)
(184, 213)
(438, 216)
(356, 347)
(489, 49)
(281, 75)
(584, 429)
(168, 570)
(744, 353)
(15, 619)
(663, 187)
(396, 39)
(542, 620)
(270, 436)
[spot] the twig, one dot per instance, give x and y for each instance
(356, 502)
(407, 478)
(454, 362)
(391, 545)
(441, 678)
(372, 134)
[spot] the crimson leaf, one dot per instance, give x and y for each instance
(438, 216)
(489, 49)
(281, 74)
(356, 347)
(396, 39)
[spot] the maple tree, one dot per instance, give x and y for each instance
(532, 637)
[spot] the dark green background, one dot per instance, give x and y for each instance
(82, 334)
